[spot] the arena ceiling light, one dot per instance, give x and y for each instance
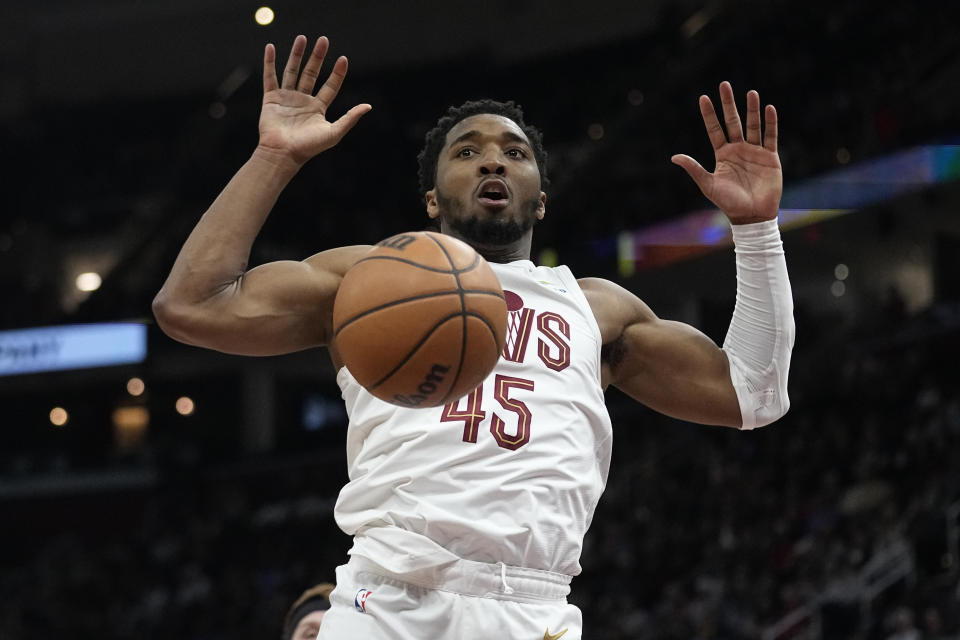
(264, 16)
(59, 416)
(89, 281)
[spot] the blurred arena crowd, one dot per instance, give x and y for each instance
(702, 533)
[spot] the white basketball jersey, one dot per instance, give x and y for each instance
(510, 473)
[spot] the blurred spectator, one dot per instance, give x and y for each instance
(305, 615)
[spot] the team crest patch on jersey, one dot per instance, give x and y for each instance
(553, 286)
(514, 302)
(360, 600)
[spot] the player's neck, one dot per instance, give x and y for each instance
(501, 253)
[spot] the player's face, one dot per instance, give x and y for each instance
(488, 182)
(309, 626)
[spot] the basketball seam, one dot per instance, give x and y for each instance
(493, 334)
(416, 347)
(453, 271)
(387, 305)
(463, 318)
(493, 331)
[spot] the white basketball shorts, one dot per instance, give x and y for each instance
(466, 600)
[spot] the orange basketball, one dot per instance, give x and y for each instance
(420, 320)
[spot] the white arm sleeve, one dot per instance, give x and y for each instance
(761, 333)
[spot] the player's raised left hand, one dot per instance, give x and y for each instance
(747, 181)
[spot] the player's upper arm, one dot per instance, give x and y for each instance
(669, 366)
(278, 307)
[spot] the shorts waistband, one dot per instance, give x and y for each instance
(468, 577)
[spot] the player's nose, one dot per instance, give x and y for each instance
(492, 164)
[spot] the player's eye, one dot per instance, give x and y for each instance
(516, 153)
(466, 152)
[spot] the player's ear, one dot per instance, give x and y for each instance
(433, 209)
(542, 208)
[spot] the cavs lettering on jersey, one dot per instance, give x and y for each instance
(509, 473)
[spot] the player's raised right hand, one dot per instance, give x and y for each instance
(293, 121)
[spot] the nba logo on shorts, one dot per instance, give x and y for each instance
(360, 600)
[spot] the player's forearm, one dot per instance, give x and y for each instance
(760, 339)
(215, 255)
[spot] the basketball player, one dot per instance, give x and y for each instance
(468, 520)
(305, 615)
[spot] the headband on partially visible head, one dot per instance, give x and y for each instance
(316, 598)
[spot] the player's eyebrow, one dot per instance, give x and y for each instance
(509, 135)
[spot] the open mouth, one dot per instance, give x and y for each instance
(493, 193)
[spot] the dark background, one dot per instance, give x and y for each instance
(121, 121)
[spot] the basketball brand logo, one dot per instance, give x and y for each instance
(428, 386)
(360, 600)
(399, 242)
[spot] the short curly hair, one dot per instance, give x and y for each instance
(437, 136)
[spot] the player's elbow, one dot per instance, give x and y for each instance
(762, 395)
(775, 409)
(173, 318)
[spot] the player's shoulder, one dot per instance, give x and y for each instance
(604, 290)
(613, 306)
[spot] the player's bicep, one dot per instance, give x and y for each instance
(675, 369)
(278, 307)
(275, 308)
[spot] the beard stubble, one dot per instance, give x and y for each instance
(487, 230)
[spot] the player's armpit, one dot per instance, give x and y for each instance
(275, 308)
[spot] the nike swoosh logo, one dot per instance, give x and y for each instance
(549, 636)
